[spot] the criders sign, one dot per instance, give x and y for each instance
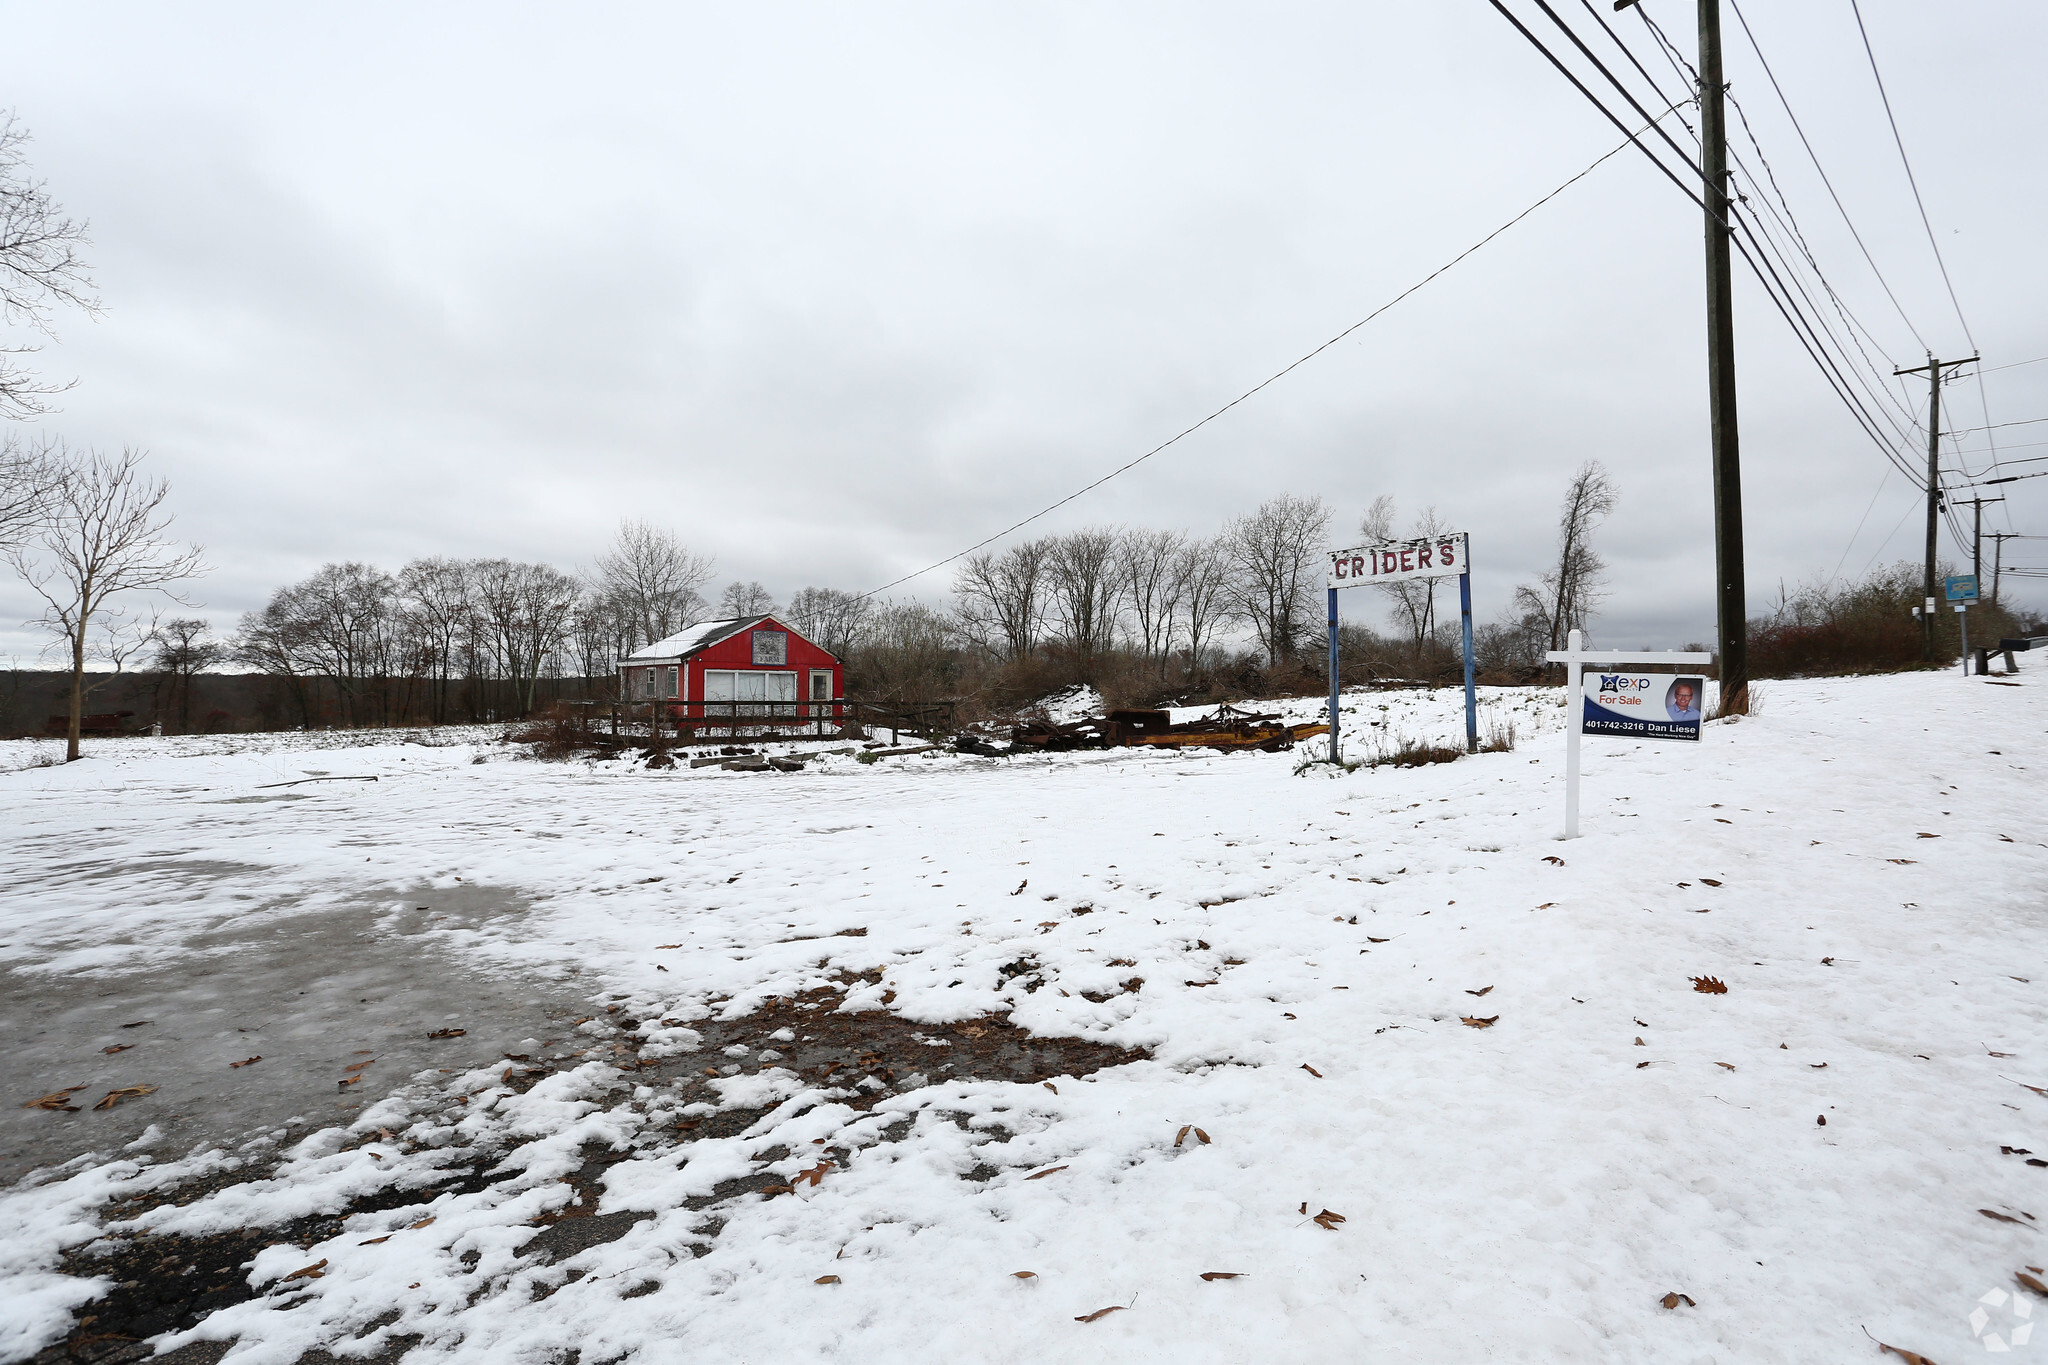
(1392, 560)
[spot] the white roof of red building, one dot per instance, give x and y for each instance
(691, 639)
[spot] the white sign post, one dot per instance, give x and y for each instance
(1572, 657)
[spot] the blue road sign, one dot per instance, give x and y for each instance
(1961, 587)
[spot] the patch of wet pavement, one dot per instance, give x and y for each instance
(165, 1283)
(288, 1023)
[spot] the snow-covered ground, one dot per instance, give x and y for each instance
(1392, 996)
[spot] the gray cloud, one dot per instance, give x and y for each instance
(837, 291)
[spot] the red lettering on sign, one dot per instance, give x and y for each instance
(1448, 551)
(1389, 561)
(1357, 566)
(1407, 561)
(1422, 556)
(1337, 567)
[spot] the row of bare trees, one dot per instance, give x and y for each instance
(1155, 593)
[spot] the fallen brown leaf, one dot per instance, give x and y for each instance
(1023, 1274)
(1910, 1357)
(814, 1174)
(1050, 1086)
(1370, 939)
(422, 1223)
(1901, 862)
(1040, 1175)
(1641, 1065)
(1709, 985)
(1319, 1075)
(1641, 1043)
(343, 1085)
(659, 947)
(826, 1279)
(448, 1033)
(358, 1066)
(311, 1272)
(1470, 1022)
(1924, 835)
(1708, 881)
(1223, 1274)
(1100, 1313)
(1327, 1220)
(126, 1092)
(2001, 1217)
(56, 1100)
(372, 1241)
(1481, 991)
(247, 1061)
(1674, 1298)
(118, 1047)
(2029, 1282)
(1553, 860)
(1181, 1136)
(1731, 1066)
(772, 1190)
(1204, 1137)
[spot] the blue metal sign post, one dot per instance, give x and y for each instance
(1392, 561)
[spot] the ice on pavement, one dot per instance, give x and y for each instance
(1393, 995)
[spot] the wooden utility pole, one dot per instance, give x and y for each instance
(1731, 605)
(1998, 539)
(1933, 368)
(1977, 536)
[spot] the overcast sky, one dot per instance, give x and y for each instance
(836, 290)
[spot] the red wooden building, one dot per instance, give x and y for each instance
(747, 671)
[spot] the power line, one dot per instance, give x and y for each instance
(2015, 364)
(1814, 157)
(1905, 161)
(1277, 375)
(1932, 242)
(2023, 422)
(1774, 286)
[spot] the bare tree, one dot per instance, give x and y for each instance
(439, 606)
(655, 579)
(1202, 577)
(1277, 555)
(1575, 586)
(1413, 599)
(183, 651)
(529, 608)
(745, 599)
(835, 620)
(103, 534)
(1081, 571)
(40, 269)
(1146, 564)
(27, 471)
(999, 598)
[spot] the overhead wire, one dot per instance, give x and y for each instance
(1277, 375)
(1814, 157)
(1874, 384)
(1934, 243)
(1766, 273)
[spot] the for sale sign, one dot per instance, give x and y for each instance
(1643, 705)
(1392, 560)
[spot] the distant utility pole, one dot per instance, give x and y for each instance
(1933, 368)
(1977, 536)
(1731, 606)
(1998, 558)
